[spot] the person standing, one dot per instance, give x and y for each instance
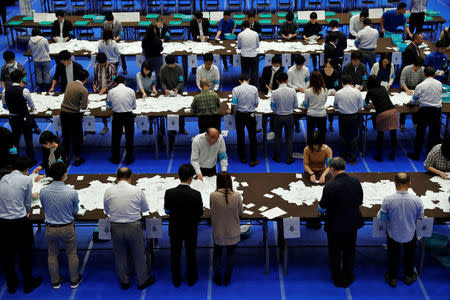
(267, 81)
(384, 71)
(366, 41)
(245, 100)
(152, 48)
(330, 49)
(392, 19)
(283, 102)
(60, 204)
(428, 94)
(205, 105)
(315, 99)
(117, 31)
(340, 202)
(254, 25)
(418, 9)
(412, 50)
(209, 71)
(438, 60)
(66, 71)
(342, 41)
(226, 26)
(356, 23)
(349, 101)
(401, 212)
(185, 207)
(122, 101)
(124, 203)
(248, 43)
(332, 77)
(75, 98)
(17, 230)
(298, 79)
(226, 208)
(10, 66)
(62, 29)
(109, 46)
(40, 50)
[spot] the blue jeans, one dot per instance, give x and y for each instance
(42, 70)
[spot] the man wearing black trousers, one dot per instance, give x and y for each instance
(340, 203)
(418, 9)
(122, 101)
(185, 207)
(248, 43)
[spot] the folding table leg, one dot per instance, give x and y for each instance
(157, 133)
(285, 256)
(422, 256)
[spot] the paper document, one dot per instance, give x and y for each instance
(273, 213)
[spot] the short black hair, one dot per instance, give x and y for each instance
(60, 13)
(290, 16)
(429, 71)
(276, 59)
(356, 55)
(64, 55)
(244, 77)
(48, 137)
(402, 178)
(419, 61)
(372, 82)
(22, 163)
(170, 59)
(185, 172)
(299, 60)
(317, 139)
(445, 148)
(82, 75)
(364, 13)
(124, 173)
(16, 76)
(57, 171)
(367, 21)
(332, 37)
(198, 14)
(109, 16)
(401, 5)
(334, 24)
(9, 55)
(35, 31)
(208, 57)
(101, 58)
(148, 66)
(227, 13)
(282, 77)
(251, 14)
(346, 79)
(416, 35)
(119, 80)
(313, 15)
(338, 163)
(441, 43)
(245, 24)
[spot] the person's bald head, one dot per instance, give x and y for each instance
(212, 135)
(402, 180)
(124, 173)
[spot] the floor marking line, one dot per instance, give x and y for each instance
(365, 164)
(267, 164)
(210, 271)
(280, 268)
(169, 167)
(144, 292)
(121, 160)
(422, 287)
(302, 125)
(37, 140)
(6, 124)
(444, 4)
(83, 266)
(3, 291)
(349, 295)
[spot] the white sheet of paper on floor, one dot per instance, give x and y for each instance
(346, 58)
(111, 178)
(139, 60)
(273, 213)
(173, 122)
(291, 228)
(424, 227)
(268, 60)
(244, 184)
(192, 59)
(141, 122)
(248, 212)
(396, 58)
(378, 228)
(80, 178)
(104, 229)
(154, 227)
(263, 208)
(36, 211)
(81, 211)
(286, 60)
(216, 60)
(268, 195)
(56, 123)
(229, 121)
(89, 123)
(236, 60)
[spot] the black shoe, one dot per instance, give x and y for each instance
(353, 161)
(183, 131)
(79, 162)
(331, 128)
(217, 279)
(114, 161)
(378, 158)
(31, 286)
(129, 161)
(254, 163)
(149, 282)
(391, 281)
(243, 160)
(57, 285)
(75, 285)
(337, 283)
(176, 281)
(258, 130)
(192, 281)
(276, 159)
(410, 279)
(290, 161)
(226, 279)
(13, 287)
(37, 130)
(124, 286)
(402, 127)
(347, 282)
(150, 130)
(392, 156)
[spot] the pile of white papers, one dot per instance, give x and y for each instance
(163, 103)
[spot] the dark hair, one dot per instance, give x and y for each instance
(57, 170)
(223, 181)
(64, 55)
(185, 172)
(124, 173)
(334, 24)
(101, 58)
(159, 19)
(364, 13)
(198, 14)
(317, 83)
(150, 33)
(109, 16)
(207, 57)
(346, 79)
(107, 35)
(299, 60)
(429, 71)
(419, 61)
(356, 55)
(372, 82)
(332, 37)
(82, 76)
(16, 76)
(276, 59)
(416, 35)
(313, 16)
(245, 24)
(48, 137)
(329, 61)
(227, 13)
(244, 77)
(282, 77)
(338, 163)
(445, 149)
(290, 16)
(22, 163)
(148, 66)
(402, 178)
(170, 59)
(440, 43)
(367, 21)
(35, 31)
(9, 55)
(119, 80)
(401, 5)
(317, 139)
(60, 13)
(251, 14)
(387, 56)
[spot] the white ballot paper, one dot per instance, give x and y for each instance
(36, 211)
(81, 211)
(273, 213)
(268, 195)
(263, 208)
(248, 212)
(378, 228)
(173, 122)
(291, 228)
(154, 227)
(250, 205)
(80, 178)
(104, 229)
(244, 184)
(424, 227)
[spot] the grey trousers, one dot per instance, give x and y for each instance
(128, 240)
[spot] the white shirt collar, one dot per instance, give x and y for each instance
(15, 84)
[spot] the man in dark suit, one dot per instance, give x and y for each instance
(254, 25)
(340, 203)
(356, 70)
(185, 207)
(61, 27)
(199, 27)
(412, 51)
(330, 49)
(342, 41)
(269, 75)
(66, 71)
(162, 30)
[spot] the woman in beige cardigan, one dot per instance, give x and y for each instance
(225, 207)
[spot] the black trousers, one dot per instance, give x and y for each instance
(120, 121)
(209, 171)
(16, 239)
(124, 62)
(23, 125)
(286, 122)
(190, 246)
(250, 66)
(403, 118)
(217, 259)
(205, 122)
(316, 122)
(409, 251)
(246, 120)
(427, 117)
(416, 22)
(72, 132)
(380, 137)
(348, 131)
(341, 251)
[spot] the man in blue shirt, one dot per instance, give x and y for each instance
(392, 19)
(60, 204)
(226, 25)
(401, 212)
(438, 60)
(16, 236)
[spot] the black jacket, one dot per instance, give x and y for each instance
(409, 55)
(342, 198)
(331, 52)
(195, 31)
(163, 33)
(265, 78)
(60, 74)
(256, 27)
(152, 47)
(67, 29)
(185, 207)
(359, 76)
(59, 154)
(342, 42)
(312, 29)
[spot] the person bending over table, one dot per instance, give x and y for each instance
(226, 25)
(412, 50)
(445, 36)
(332, 78)
(312, 30)
(315, 159)
(356, 22)
(366, 41)
(438, 159)
(205, 105)
(315, 98)
(117, 30)
(199, 27)
(357, 71)
(226, 208)
(209, 71)
(254, 25)
(267, 81)
(162, 30)
(52, 152)
(386, 118)
(66, 71)
(401, 211)
(109, 46)
(62, 29)
(392, 19)
(384, 70)
(288, 29)
(438, 60)
(11, 65)
(410, 77)
(207, 148)
(185, 207)
(39, 49)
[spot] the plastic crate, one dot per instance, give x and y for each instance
(238, 16)
(89, 16)
(446, 87)
(15, 23)
(178, 16)
(266, 22)
(213, 23)
(446, 97)
(99, 19)
(187, 18)
(175, 23)
(265, 16)
(282, 14)
(230, 36)
(145, 23)
(81, 23)
(402, 47)
(27, 19)
(329, 20)
(46, 23)
(354, 13)
(238, 22)
(330, 13)
(151, 16)
(437, 241)
(302, 21)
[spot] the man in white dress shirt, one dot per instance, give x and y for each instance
(356, 22)
(209, 71)
(248, 43)
(298, 79)
(366, 41)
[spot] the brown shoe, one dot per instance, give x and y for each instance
(254, 163)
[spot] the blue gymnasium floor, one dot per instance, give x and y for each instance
(308, 274)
